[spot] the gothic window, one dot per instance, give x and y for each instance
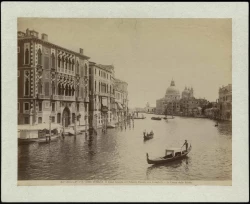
(86, 70)
(66, 63)
(73, 63)
(82, 71)
(53, 60)
(70, 64)
(53, 88)
(110, 89)
(59, 61)
(66, 90)
(77, 67)
(40, 87)
(46, 91)
(63, 60)
(53, 106)
(40, 106)
(26, 56)
(82, 92)
(39, 55)
(73, 90)
(59, 89)
(69, 91)
(58, 117)
(95, 85)
(26, 83)
(73, 117)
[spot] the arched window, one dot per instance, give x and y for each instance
(40, 120)
(27, 84)
(95, 85)
(69, 64)
(86, 70)
(77, 67)
(73, 117)
(69, 91)
(58, 117)
(40, 87)
(59, 89)
(73, 64)
(77, 91)
(63, 60)
(82, 71)
(66, 90)
(53, 60)
(73, 90)
(39, 55)
(62, 90)
(66, 63)
(26, 56)
(59, 61)
(53, 88)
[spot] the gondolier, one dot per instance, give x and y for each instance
(186, 143)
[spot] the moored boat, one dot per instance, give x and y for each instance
(111, 126)
(45, 138)
(156, 118)
(171, 154)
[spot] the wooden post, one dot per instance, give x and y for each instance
(75, 126)
(50, 127)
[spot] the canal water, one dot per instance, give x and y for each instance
(120, 154)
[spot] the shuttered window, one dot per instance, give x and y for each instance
(46, 88)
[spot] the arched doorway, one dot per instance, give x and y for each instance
(66, 117)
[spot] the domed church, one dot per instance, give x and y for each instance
(172, 93)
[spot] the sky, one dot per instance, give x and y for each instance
(149, 53)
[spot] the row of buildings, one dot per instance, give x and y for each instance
(185, 104)
(58, 84)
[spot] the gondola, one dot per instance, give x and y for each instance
(148, 136)
(171, 155)
(155, 118)
(39, 139)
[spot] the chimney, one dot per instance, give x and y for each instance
(45, 37)
(81, 51)
(27, 32)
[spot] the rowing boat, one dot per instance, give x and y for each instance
(171, 155)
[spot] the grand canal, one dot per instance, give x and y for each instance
(121, 153)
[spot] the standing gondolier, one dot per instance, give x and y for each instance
(186, 143)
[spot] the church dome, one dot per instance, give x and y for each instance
(172, 90)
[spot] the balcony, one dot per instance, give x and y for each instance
(42, 96)
(64, 98)
(78, 98)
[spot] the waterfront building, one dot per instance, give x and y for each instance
(170, 101)
(121, 100)
(225, 102)
(102, 95)
(187, 93)
(52, 82)
(149, 109)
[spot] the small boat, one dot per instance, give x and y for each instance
(155, 118)
(39, 139)
(111, 126)
(71, 132)
(172, 154)
(148, 136)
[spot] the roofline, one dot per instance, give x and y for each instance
(59, 47)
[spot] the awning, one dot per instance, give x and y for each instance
(119, 106)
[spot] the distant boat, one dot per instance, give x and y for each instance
(156, 118)
(111, 126)
(148, 136)
(171, 155)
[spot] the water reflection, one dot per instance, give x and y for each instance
(120, 152)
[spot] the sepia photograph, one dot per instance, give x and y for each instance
(124, 102)
(125, 99)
